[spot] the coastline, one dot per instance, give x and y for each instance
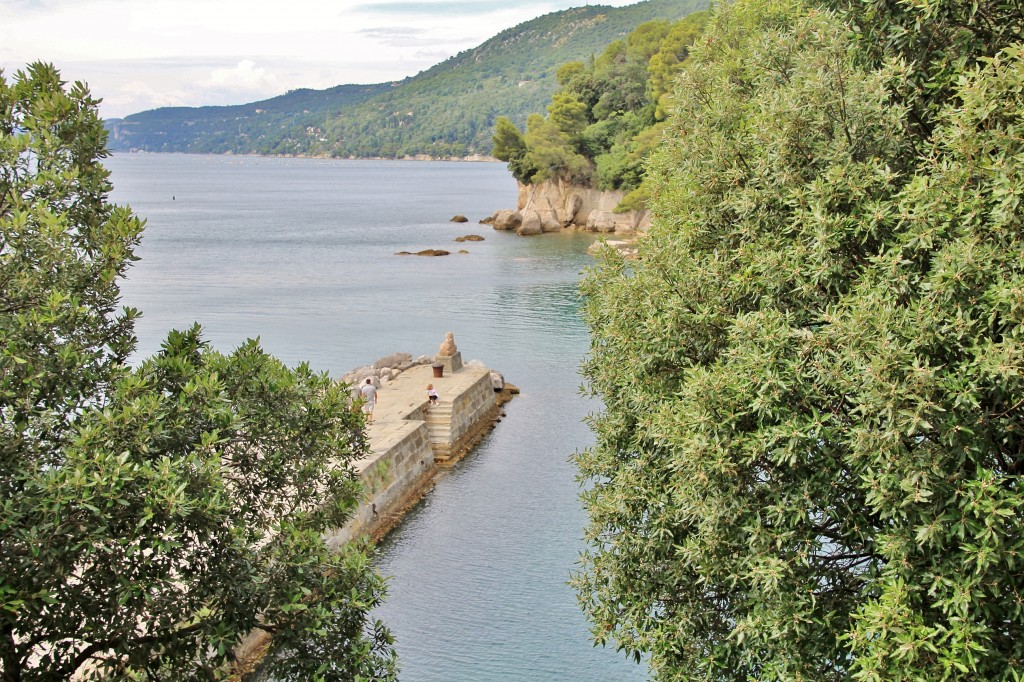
(472, 158)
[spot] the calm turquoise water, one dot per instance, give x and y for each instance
(300, 252)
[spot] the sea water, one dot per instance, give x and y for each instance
(302, 254)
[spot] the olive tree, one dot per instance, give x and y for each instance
(930, 354)
(807, 466)
(933, 44)
(152, 517)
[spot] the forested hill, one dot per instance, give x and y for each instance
(271, 124)
(447, 110)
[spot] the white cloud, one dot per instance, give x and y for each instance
(244, 77)
(139, 94)
(434, 56)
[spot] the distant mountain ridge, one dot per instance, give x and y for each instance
(234, 128)
(448, 110)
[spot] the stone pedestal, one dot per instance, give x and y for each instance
(452, 363)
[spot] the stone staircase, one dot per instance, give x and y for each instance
(439, 426)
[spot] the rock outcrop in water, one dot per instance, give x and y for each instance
(554, 205)
(506, 219)
(425, 252)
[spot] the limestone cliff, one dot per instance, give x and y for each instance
(555, 205)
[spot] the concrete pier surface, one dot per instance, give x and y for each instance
(410, 440)
(465, 397)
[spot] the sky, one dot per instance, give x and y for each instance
(143, 54)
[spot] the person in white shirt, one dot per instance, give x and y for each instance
(369, 393)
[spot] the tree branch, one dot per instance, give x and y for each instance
(96, 647)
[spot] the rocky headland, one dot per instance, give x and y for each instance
(555, 205)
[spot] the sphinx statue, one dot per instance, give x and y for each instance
(448, 345)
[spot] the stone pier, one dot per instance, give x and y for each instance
(410, 441)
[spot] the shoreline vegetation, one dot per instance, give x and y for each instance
(154, 513)
(810, 456)
(472, 158)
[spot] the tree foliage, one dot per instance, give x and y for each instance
(604, 121)
(808, 464)
(151, 517)
(552, 153)
(934, 43)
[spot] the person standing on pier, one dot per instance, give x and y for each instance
(369, 393)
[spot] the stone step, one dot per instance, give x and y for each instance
(439, 422)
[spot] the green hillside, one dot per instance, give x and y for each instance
(447, 110)
(266, 127)
(608, 116)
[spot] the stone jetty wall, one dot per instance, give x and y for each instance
(395, 476)
(408, 441)
(472, 411)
